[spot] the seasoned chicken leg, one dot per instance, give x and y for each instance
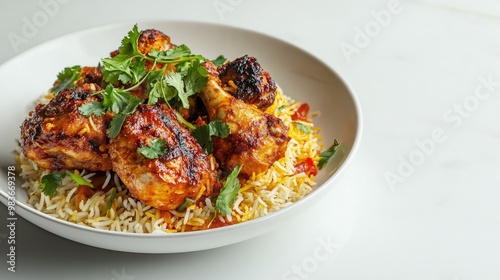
(256, 139)
(184, 171)
(57, 136)
(245, 79)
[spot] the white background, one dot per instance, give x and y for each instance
(417, 73)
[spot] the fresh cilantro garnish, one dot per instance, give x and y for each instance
(115, 125)
(171, 55)
(219, 60)
(203, 134)
(281, 108)
(228, 193)
(92, 108)
(52, 181)
(325, 156)
(67, 77)
(195, 78)
(118, 101)
(302, 127)
(110, 200)
(154, 149)
(126, 71)
(123, 68)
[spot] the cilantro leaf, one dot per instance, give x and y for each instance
(155, 85)
(129, 42)
(196, 78)
(132, 104)
(110, 200)
(115, 126)
(93, 108)
(325, 156)
(123, 68)
(203, 134)
(155, 149)
(219, 60)
(174, 80)
(228, 193)
(51, 182)
(128, 66)
(171, 55)
(302, 127)
(67, 77)
(218, 128)
(120, 102)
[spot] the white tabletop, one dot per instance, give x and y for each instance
(420, 199)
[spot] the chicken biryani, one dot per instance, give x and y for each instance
(156, 139)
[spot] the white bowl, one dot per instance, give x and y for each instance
(300, 75)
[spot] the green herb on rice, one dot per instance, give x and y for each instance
(302, 127)
(109, 203)
(188, 201)
(227, 195)
(50, 182)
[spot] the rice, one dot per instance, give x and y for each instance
(278, 187)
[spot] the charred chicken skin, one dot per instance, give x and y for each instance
(245, 79)
(90, 75)
(152, 39)
(256, 139)
(56, 136)
(184, 171)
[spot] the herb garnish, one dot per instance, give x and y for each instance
(228, 193)
(185, 204)
(325, 156)
(219, 60)
(66, 78)
(109, 202)
(302, 127)
(203, 134)
(154, 149)
(52, 181)
(128, 68)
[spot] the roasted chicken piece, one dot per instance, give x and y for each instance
(184, 171)
(256, 139)
(57, 136)
(245, 79)
(152, 39)
(90, 75)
